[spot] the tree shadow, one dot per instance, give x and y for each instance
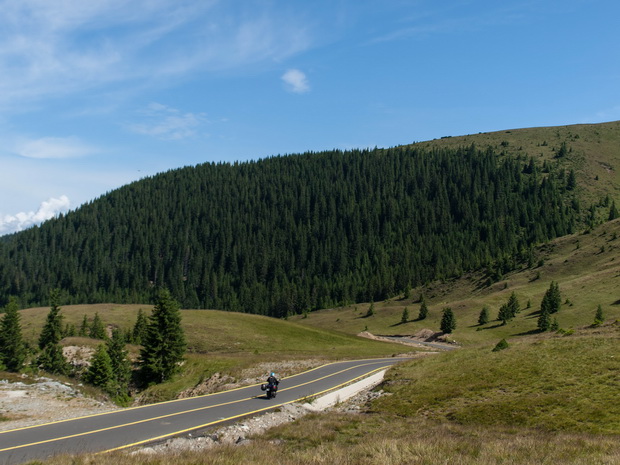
(528, 333)
(495, 326)
(400, 323)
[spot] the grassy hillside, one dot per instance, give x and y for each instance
(593, 150)
(226, 343)
(586, 265)
(546, 399)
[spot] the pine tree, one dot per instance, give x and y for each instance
(97, 329)
(164, 344)
(100, 371)
(501, 345)
(371, 310)
(555, 325)
(12, 353)
(139, 330)
(52, 358)
(423, 310)
(613, 211)
(599, 318)
(83, 332)
(552, 300)
(121, 367)
(513, 304)
(52, 330)
(571, 182)
(504, 315)
(448, 321)
(544, 321)
(405, 316)
(483, 318)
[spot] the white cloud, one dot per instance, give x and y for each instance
(23, 220)
(296, 81)
(52, 147)
(167, 123)
(52, 48)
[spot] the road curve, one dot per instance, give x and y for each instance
(140, 425)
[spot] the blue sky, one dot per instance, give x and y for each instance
(96, 94)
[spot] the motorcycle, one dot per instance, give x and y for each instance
(270, 390)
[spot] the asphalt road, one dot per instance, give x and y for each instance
(140, 425)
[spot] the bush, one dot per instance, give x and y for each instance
(501, 345)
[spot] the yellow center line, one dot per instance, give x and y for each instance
(221, 420)
(189, 411)
(178, 400)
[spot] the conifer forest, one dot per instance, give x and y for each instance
(291, 234)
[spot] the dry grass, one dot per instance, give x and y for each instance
(388, 440)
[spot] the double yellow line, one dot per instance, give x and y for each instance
(192, 410)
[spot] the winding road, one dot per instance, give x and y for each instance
(122, 429)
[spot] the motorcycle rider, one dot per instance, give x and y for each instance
(273, 381)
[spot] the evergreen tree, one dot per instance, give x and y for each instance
(555, 325)
(139, 329)
(423, 310)
(504, 315)
(513, 304)
(83, 332)
(371, 310)
(52, 358)
(164, 344)
(405, 316)
(483, 318)
(571, 182)
(544, 321)
(448, 321)
(97, 329)
(501, 345)
(52, 330)
(552, 300)
(121, 367)
(12, 353)
(613, 212)
(100, 371)
(599, 318)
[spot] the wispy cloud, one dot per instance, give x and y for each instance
(23, 220)
(53, 147)
(167, 123)
(52, 48)
(296, 81)
(454, 18)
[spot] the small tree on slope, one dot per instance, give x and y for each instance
(164, 343)
(448, 321)
(12, 353)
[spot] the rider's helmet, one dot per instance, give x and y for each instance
(272, 374)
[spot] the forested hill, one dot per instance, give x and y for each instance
(295, 233)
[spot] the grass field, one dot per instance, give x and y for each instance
(222, 343)
(586, 266)
(546, 399)
(592, 151)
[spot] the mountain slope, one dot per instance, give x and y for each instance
(586, 266)
(301, 232)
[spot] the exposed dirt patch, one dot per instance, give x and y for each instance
(42, 400)
(438, 339)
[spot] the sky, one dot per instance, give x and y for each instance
(96, 94)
